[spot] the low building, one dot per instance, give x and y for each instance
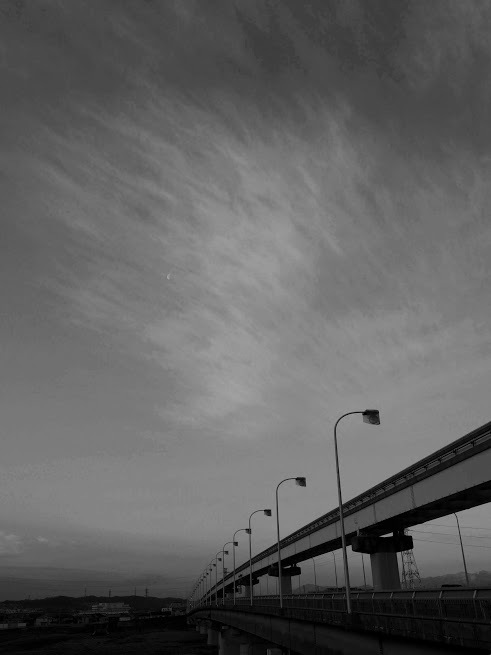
(111, 608)
(13, 626)
(42, 620)
(178, 609)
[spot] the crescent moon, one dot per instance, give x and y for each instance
(168, 276)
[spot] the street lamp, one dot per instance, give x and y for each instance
(369, 416)
(209, 574)
(209, 571)
(301, 482)
(364, 576)
(217, 559)
(203, 588)
(335, 569)
(234, 544)
(266, 512)
(315, 575)
(462, 549)
(224, 552)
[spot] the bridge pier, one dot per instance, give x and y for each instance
(287, 573)
(236, 642)
(383, 557)
(385, 571)
(244, 587)
(213, 635)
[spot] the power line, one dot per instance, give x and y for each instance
(452, 534)
(468, 527)
(450, 543)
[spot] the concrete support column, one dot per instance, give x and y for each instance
(253, 648)
(286, 578)
(212, 637)
(243, 591)
(383, 557)
(286, 585)
(244, 587)
(203, 630)
(385, 571)
(227, 646)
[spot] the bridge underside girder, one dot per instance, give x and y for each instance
(457, 503)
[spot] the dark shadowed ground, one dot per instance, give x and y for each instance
(66, 641)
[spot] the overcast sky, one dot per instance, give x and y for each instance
(224, 224)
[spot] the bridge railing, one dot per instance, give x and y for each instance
(465, 604)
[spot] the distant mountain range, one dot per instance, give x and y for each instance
(18, 583)
(479, 579)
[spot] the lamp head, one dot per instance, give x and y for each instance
(225, 552)
(236, 543)
(267, 512)
(248, 531)
(371, 416)
(302, 482)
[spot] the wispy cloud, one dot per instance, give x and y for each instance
(10, 544)
(266, 211)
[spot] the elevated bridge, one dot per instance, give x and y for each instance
(388, 620)
(452, 479)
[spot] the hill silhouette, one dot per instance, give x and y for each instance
(479, 579)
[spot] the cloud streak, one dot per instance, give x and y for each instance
(290, 239)
(252, 215)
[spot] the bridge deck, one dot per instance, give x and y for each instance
(460, 617)
(451, 479)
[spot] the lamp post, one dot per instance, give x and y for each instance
(234, 544)
(224, 552)
(335, 569)
(209, 571)
(462, 549)
(369, 416)
(210, 574)
(217, 559)
(315, 574)
(301, 482)
(363, 567)
(267, 512)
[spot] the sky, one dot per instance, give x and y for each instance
(223, 225)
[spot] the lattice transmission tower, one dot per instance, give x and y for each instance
(410, 574)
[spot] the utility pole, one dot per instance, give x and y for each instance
(109, 593)
(146, 592)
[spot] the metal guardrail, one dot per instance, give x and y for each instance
(453, 616)
(470, 604)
